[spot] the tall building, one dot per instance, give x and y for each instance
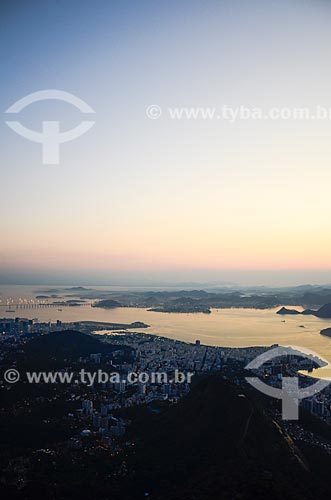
(87, 406)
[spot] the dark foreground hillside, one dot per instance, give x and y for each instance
(217, 443)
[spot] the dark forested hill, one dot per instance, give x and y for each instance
(218, 443)
(68, 344)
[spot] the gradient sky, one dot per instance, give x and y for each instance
(158, 197)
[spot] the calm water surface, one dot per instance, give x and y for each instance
(223, 327)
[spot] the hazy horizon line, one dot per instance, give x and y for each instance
(171, 278)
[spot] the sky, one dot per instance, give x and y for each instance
(160, 198)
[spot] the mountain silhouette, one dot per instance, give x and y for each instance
(219, 443)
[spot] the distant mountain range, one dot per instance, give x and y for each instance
(323, 312)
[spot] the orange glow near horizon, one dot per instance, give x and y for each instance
(136, 193)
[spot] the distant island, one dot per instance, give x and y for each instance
(324, 312)
(108, 304)
(100, 325)
(78, 289)
(182, 305)
(182, 309)
(326, 332)
(285, 310)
